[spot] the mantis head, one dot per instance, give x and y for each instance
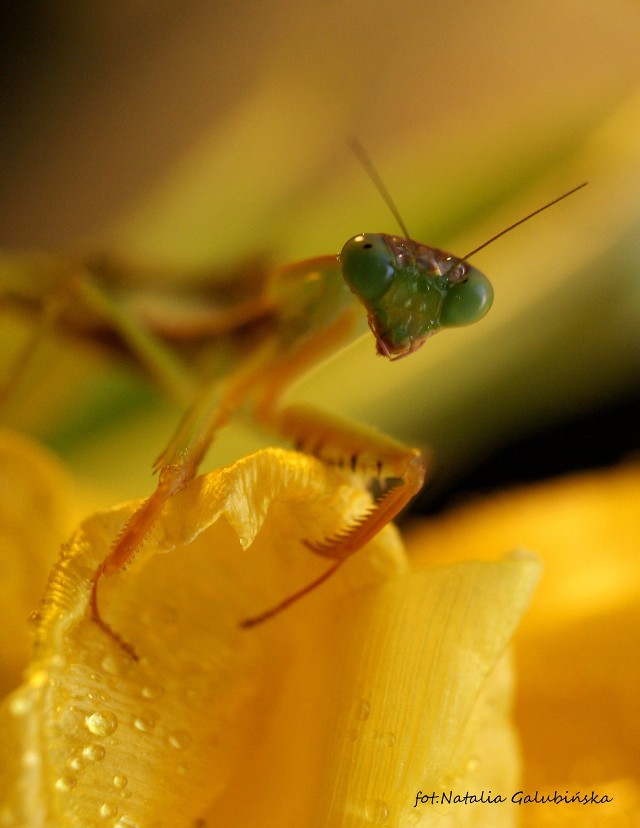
(411, 290)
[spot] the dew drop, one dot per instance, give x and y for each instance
(126, 822)
(66, 783)
(69, 718)
(102, 723)
(120, 781)
(56, 663)
(362, 710)
(93, 753)
(152, 690)
(76, 763)
(448, 781)
(179, 739)
(473, 764)
(107, 809)
(389, 738)
(377, 812)
(144, 723)
(110, 665)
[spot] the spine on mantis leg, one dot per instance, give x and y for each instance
(394, 473)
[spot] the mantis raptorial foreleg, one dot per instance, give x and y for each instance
(396, 474)
(264, 376)
(319, 310)
(397, 471)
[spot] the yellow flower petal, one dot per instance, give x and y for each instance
(379, 684)
(428, 694)
(35, 509)
(577, 706)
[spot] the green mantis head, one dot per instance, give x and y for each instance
(411, 290)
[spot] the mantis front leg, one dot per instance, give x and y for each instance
(396, 472)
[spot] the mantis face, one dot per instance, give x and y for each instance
(411, 290)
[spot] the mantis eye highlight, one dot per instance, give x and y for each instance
(368, 266)
(468, 300)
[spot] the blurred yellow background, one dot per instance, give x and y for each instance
(182, 136)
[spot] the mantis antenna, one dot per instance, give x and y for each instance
(360, 153)
(522, 220)
(358, 150)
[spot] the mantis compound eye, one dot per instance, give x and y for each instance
(467, 301)
(368, 266)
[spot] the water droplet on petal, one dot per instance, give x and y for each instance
(152, 690)
(102, 723)
(144, 723)
(66, 783)
(362, 710)
(389, 738)
(377, 812)
(69, 718)
(126, 822)
(110, 665)
(76, 763)
(120, 781)
(107, 809)
(93, 753)
(179, 739)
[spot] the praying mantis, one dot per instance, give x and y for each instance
(403, 290)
